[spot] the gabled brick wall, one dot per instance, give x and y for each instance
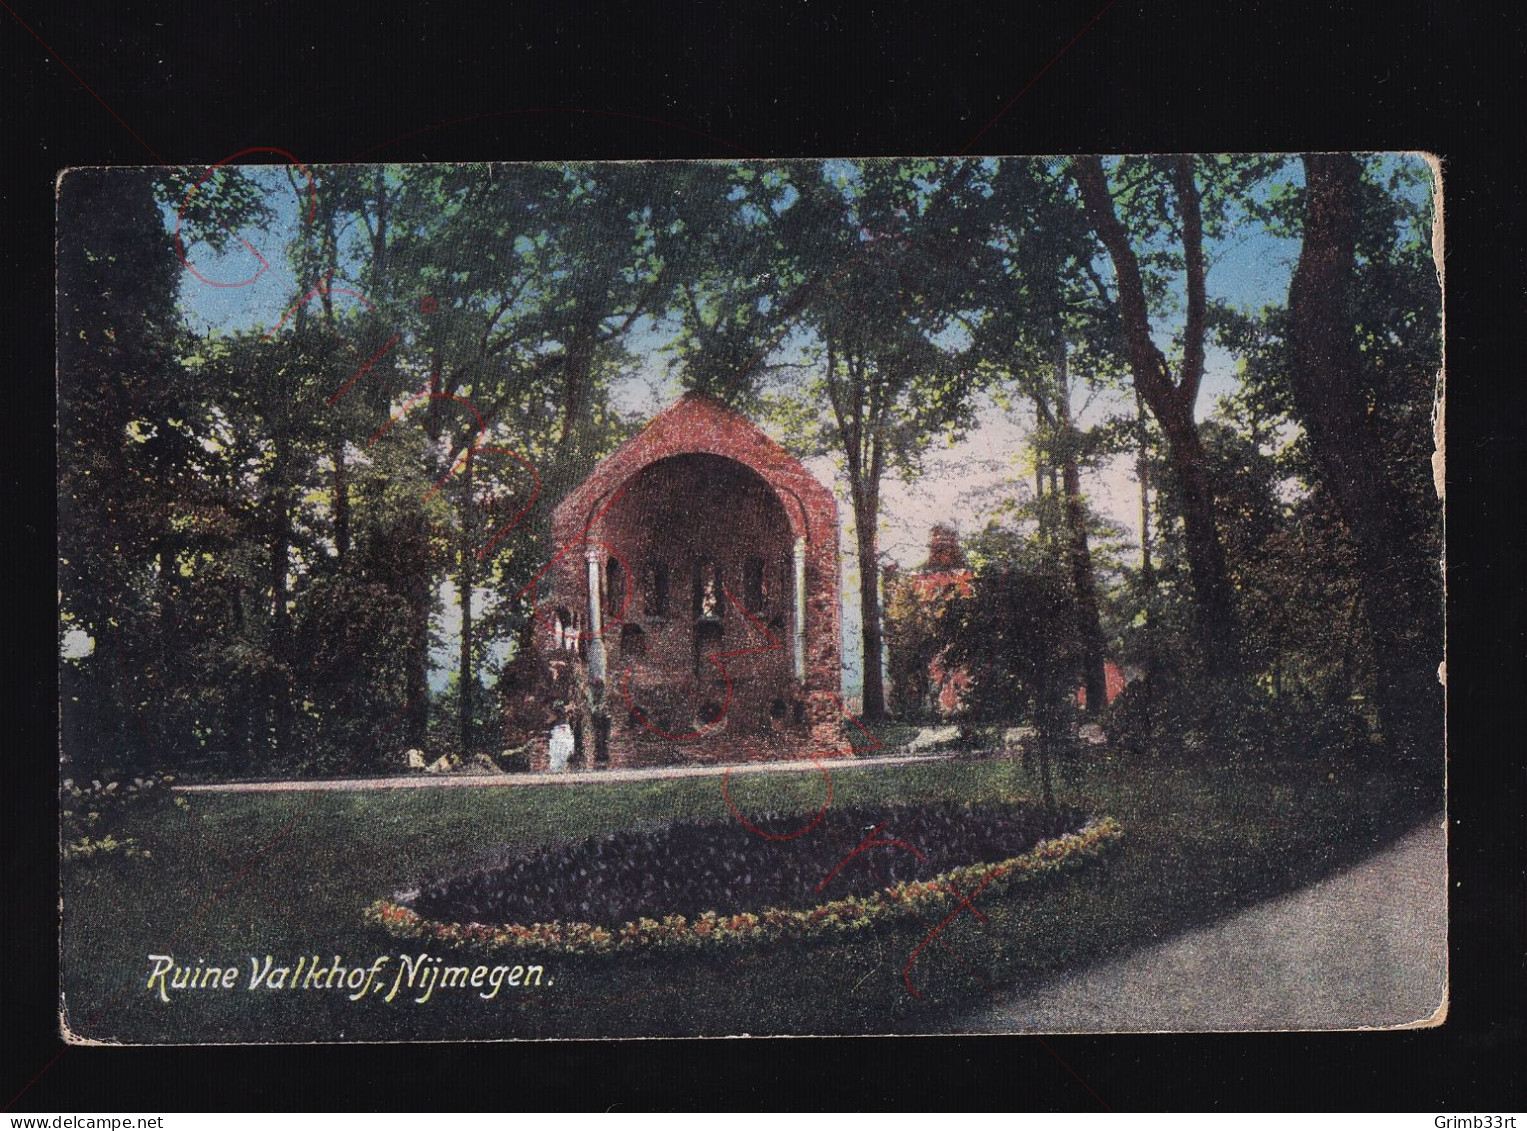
(701, 486)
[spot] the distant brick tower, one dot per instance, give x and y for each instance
(944, 553)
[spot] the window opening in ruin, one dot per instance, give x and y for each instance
(633, 642)
(707, 642)
(707, 590)
(657, 590)
(754, 591)
(614, 589)
(563, 637)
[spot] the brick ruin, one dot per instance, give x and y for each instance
(695, 592)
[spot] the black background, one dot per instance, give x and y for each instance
(424, 81)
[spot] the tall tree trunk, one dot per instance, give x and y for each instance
(1048, 717)
(1079, 552)
(1143, 474)
(465, 582)
(1401, 590)
(106, 730)
(861, 432)
(278, 701)
(169, 634)
(280, 564)
(1172, 402)
(169, 620)
(865, 490)
(1147, 566)
(341, 503)
(525, 638)
(1043, 525)
(1206, 554)
(865, 518)
(577, 376)
(416, 725)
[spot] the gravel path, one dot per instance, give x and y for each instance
(478, 781)
(1366, 947)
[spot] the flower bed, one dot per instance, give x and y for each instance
(662, 887)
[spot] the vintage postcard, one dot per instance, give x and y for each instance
(685, 599)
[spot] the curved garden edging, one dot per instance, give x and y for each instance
(709, 929)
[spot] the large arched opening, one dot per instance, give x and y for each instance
(708, 581)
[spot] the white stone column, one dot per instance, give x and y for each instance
(798, 653)
(596, 620)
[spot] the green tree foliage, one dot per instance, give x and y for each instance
(1364, 353)
(1153, 218)
(870, 285)
(132, 501)
(1048, 326)
(265, 530)
(1017, 637)
(352, 673)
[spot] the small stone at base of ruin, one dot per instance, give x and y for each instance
(482, 764)
(931, 738)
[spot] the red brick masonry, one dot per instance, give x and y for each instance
(693, 525)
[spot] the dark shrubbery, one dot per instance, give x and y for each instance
(93, 818)
(1195, 719)
(693, 866)
(352, 642)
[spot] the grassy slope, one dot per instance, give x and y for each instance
(288, 874)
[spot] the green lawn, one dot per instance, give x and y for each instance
(288, 874)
